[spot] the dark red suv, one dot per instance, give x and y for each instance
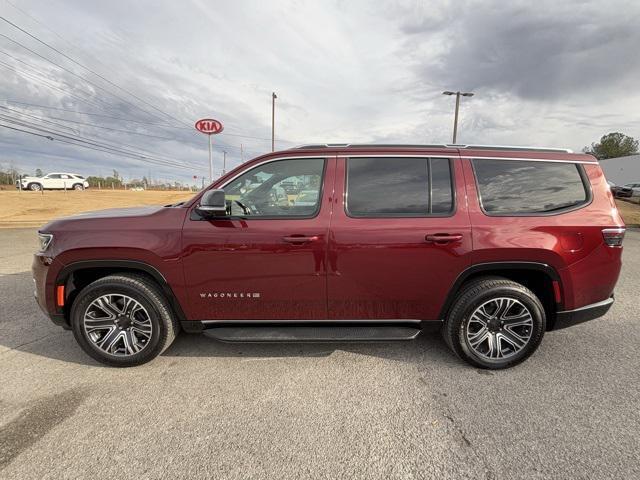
(491, 245)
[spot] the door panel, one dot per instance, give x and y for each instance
(395, 268)
(260, 268)
(53, 181)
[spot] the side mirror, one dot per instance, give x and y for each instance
(213, 204)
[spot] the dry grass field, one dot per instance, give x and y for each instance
(629, 211)
(33, 209)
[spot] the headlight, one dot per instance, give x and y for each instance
(45, 240)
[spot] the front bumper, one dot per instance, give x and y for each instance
(44, 289)
(568, 318)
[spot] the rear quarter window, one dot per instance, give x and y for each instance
(519, 187)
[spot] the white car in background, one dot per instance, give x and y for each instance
(635, 187)
(54, 181)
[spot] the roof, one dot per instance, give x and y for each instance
(464, 151)
(442, 145)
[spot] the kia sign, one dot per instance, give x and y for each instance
(209, 126)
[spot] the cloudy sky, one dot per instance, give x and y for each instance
(543, 73)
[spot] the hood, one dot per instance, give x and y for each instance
(117, 213)
(79, 219)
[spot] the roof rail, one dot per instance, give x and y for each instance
(512, 147)
(435, 145)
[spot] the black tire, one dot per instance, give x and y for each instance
(78, 186)
(164, 326)
(36, 187)
(483, 291)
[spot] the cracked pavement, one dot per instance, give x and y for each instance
(206, 409)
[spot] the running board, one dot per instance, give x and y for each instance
(283, 333)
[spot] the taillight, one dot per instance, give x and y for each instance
(613, 236)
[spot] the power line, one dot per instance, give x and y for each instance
(90, 70)
(140, 155)
(100, 76)
(98, 149)
(84, 79)
(41, 119)
(25, 131)
(43, 25)
(48, 83)
(40, 80)
(85, 139)
(142, 122)
(93, 125)
(64, 69)
(47, 107)
(219, 147)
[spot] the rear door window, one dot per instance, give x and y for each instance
(519, 187)
(398, 187)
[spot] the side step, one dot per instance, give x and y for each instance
(284, 333)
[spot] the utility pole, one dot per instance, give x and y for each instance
(273, 120)
(224, 162)
(241, 154)
(455, 118)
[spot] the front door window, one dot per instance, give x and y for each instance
(280, 189)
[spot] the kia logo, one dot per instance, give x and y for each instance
(209, 126)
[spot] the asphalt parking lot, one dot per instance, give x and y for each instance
(206, 409)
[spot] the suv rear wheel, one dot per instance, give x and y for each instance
(123, 320)
(495, 323)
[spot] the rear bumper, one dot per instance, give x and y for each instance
(568, 318)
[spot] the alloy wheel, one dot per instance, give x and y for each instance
(118, 325)
(499, 328)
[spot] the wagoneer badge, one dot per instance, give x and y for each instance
(230, 295)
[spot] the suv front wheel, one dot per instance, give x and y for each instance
(495, 323)
(123, 320)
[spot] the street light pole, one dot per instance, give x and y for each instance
(455, 118)
(224, 162)
(273, 120)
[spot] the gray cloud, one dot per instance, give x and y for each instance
(535, 50)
